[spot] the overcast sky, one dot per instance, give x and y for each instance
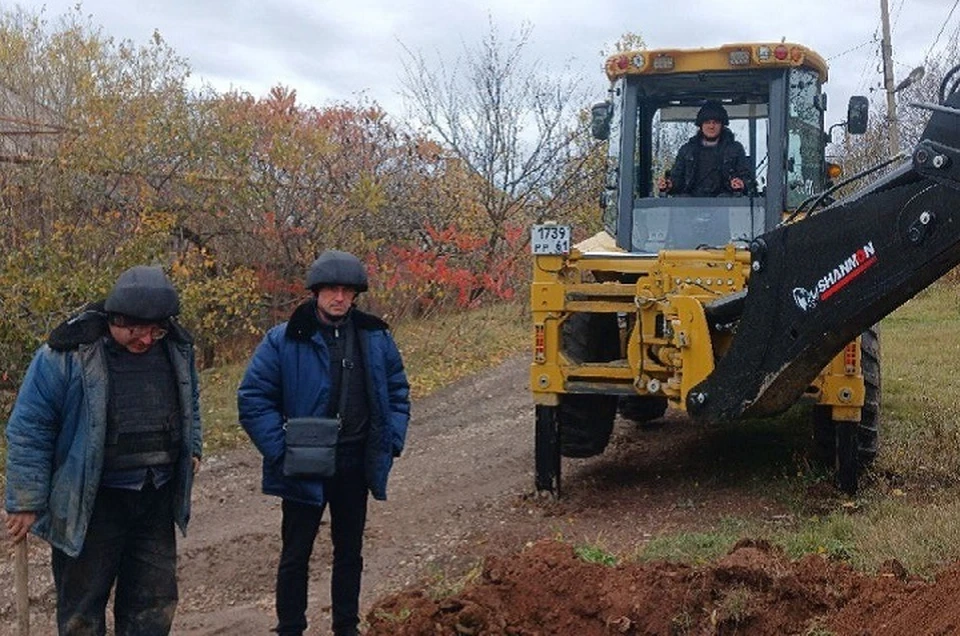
(335, 51)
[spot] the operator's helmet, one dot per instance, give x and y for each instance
(712, 110)
(334, 267)
(143, 294)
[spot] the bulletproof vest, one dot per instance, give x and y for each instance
(143, 409)
(356, 418)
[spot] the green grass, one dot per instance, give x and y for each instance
(595, 553)
(694, 547)
(909, 505)
(921, 387)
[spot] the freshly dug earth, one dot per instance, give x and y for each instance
(462, 546)
(548, 589)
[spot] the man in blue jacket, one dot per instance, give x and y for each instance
(102, 446)
(296, 371)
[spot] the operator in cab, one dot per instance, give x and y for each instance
(712, 162)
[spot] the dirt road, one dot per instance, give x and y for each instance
(462, 490)
(468, 449)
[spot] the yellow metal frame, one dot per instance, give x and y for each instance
(841, 386)
(671, 290)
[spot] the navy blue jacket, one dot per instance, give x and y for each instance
(289, 376)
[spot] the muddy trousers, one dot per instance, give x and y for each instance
(130, 541)
(346, 494)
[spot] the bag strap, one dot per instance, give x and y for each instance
(346, 364)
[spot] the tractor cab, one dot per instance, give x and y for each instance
(772, 95)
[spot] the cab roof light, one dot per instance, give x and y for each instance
(763, 53)
(663, 62)
(739, 58)
(780, 52)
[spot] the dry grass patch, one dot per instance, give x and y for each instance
(445, 348)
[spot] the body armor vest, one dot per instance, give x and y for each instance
(356, 415)
(143, 409)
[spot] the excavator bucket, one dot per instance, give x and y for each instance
(820, 282)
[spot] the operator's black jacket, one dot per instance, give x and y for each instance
(733, 163)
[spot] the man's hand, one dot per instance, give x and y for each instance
(664, 184)
(196, 464)
(736, 183)
(18, 524)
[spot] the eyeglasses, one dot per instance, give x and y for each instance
(139, 331)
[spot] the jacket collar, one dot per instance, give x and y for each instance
(303, 323)
(90, 323)
(726, 136)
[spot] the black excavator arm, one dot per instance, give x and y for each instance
(821, 281)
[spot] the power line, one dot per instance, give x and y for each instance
(945, 22)
(851, 49)
(866, 63)
(896, 18)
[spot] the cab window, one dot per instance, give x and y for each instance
(804, 137)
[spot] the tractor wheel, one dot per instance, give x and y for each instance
(585, 420)
(845, 447)
(641, 409)
(868, 433)
(586, 423)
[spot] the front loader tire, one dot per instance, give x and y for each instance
(641, 409)
(868, 433)
(586, 423)
(585, 420)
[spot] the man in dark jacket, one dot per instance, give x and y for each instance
(297, 371)
(103, 443)
(712, 162)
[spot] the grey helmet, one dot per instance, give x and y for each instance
(144, 293)
(334, 267)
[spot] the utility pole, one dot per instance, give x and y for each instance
(887, 49)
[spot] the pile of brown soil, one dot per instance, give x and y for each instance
(547, 590)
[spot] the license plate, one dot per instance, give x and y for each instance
(550, 239)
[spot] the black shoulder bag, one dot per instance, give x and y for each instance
(312, 441)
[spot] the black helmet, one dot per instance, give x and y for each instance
(143, 293)
(712, 110)
(334, 267)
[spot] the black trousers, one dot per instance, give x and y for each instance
(130, 541)
(346, 493)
